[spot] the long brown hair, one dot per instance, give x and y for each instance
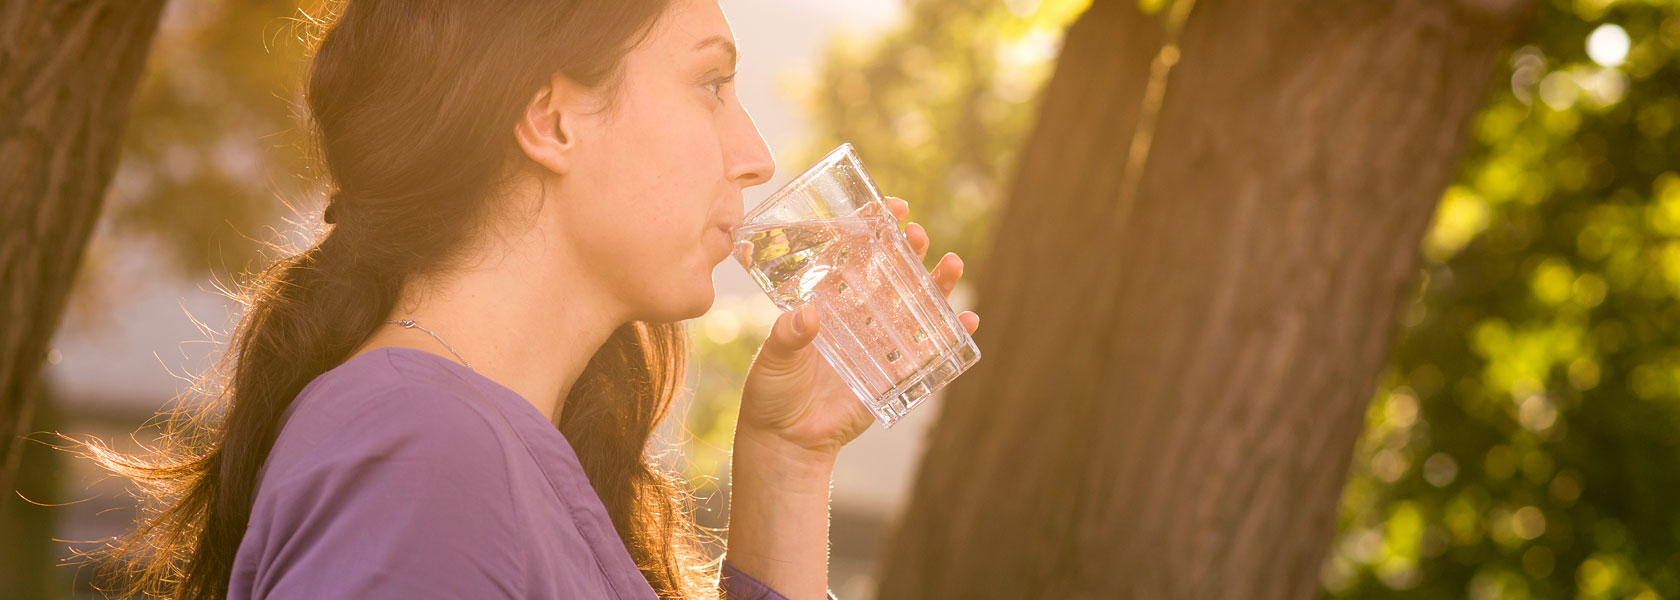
(412, 105)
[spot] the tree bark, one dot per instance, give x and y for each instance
(1179, 354)
(68, 71)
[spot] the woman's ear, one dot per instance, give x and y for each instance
(547, 132)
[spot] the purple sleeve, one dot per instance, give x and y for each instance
(408, 499)
(737, 585)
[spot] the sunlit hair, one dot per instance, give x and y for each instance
(413, 105)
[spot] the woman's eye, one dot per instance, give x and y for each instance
(715, 86)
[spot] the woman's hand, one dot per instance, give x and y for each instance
(794, 395)
(796, 413)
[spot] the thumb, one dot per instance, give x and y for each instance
(792, 332)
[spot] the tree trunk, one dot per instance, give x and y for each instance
(67, 73)
(1179, 352)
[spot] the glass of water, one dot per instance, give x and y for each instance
(828, 239)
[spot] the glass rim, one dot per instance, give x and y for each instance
(802, 181)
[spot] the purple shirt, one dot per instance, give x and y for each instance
(402, 474)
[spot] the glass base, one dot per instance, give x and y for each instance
(892, 405)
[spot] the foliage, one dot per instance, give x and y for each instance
(1523, 444)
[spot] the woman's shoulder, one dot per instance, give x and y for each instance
(384, 404)
(392, 451)
(382, 376)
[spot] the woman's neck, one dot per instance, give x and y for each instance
(525, 315)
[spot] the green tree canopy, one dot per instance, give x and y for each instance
(1525, 442)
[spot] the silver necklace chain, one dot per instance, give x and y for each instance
(410, 324)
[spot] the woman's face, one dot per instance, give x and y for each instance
(655, 182)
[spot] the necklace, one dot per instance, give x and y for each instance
(410, 324)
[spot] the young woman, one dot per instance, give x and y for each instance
(450, 394)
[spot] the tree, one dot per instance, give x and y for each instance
(1193, 286)
(197, 139)
(68, 72)
(1522, 444)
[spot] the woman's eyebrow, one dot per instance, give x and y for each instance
(725, 44)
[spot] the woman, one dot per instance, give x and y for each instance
(450, 394)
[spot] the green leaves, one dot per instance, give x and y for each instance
(1543, 350)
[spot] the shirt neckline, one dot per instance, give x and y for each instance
(468, 375)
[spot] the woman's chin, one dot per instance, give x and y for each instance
(700, 308)
(691, 305)
(690, 300)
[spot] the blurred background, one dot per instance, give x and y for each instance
(1523, 440)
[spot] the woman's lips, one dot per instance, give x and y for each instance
(724, 241)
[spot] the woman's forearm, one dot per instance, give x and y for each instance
(778, 514)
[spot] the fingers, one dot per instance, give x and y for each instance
(913, 232)
(900, 208)
(788, 335)
(918, 238)
(945, 276)
(947, 272)
(950, 267)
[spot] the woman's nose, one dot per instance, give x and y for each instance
(748, 157)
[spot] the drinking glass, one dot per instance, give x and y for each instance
(828, 239)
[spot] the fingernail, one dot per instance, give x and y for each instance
(799, 322)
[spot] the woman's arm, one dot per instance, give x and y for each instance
(778, 514)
